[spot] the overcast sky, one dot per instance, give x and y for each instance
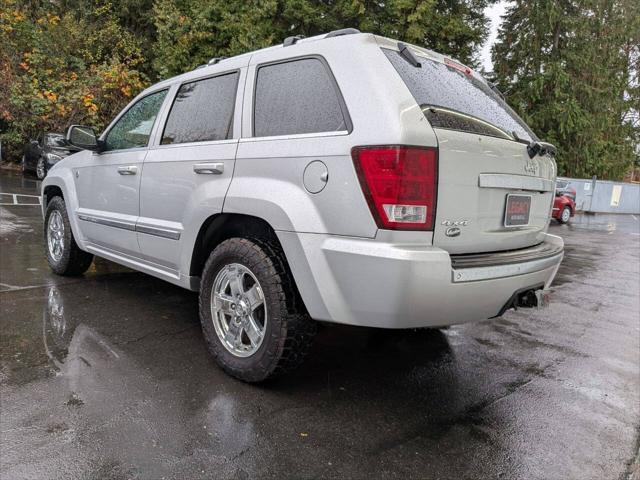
(493, 12)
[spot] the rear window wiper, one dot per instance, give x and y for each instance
(537, 148)
(408, 55)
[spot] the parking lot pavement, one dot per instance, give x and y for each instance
(107, 376)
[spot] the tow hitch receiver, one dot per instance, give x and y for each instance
(531, 297)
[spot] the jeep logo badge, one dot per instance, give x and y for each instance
(452, 232)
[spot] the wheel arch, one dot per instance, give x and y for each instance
(61, 185)
(222, 226)
(49, 192)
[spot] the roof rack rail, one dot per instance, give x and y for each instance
(292, 40)
(215, 60)
(212, 61)
(343, 31)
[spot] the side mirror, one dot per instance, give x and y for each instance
(83, 137)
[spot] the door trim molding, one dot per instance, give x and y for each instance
(108, 222)
(158, 232)
(155, 231)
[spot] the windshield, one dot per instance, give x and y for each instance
(456, 100)
(56, 140)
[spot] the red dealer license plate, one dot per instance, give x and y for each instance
(517, 210)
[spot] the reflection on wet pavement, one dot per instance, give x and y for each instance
(107, 376)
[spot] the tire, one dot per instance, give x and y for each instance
(63, 254)
(287, 332)
(41, 169)
(565, 215)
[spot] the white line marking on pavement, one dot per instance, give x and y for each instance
(6, 287)
(15, 199)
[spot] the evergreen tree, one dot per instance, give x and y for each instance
(570, 69)
(192, 31)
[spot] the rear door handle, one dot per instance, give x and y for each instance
(209, 168)
(129, 170)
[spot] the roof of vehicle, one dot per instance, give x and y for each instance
(204, 69)
(353, 37)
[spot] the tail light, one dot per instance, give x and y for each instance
(400, 184)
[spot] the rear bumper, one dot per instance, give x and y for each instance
(377, 284)
(489, 266)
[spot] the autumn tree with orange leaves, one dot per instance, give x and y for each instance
(57, 69)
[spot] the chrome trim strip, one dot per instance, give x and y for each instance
(108, 223)
(501, 271)
(158, 232)
(515, 182)
(296, 136)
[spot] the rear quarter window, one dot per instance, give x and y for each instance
(202, 111)
(459, 101)
(297, 97)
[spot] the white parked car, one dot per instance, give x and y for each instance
(343, 178)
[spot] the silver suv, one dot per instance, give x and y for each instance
(343, 178)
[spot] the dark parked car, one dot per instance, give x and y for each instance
(44, 152)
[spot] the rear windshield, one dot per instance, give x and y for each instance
(452, 99)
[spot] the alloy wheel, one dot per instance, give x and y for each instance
(40, 169)
(55, 235)
(238, 310)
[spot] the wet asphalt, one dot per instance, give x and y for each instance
(106, 376)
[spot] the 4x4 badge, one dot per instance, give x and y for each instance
(455, 223)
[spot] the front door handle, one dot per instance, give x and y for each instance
(209, 168)
(130, 170)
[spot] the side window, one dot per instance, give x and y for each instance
(298, 96)
(132, 130)
(202, 111)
